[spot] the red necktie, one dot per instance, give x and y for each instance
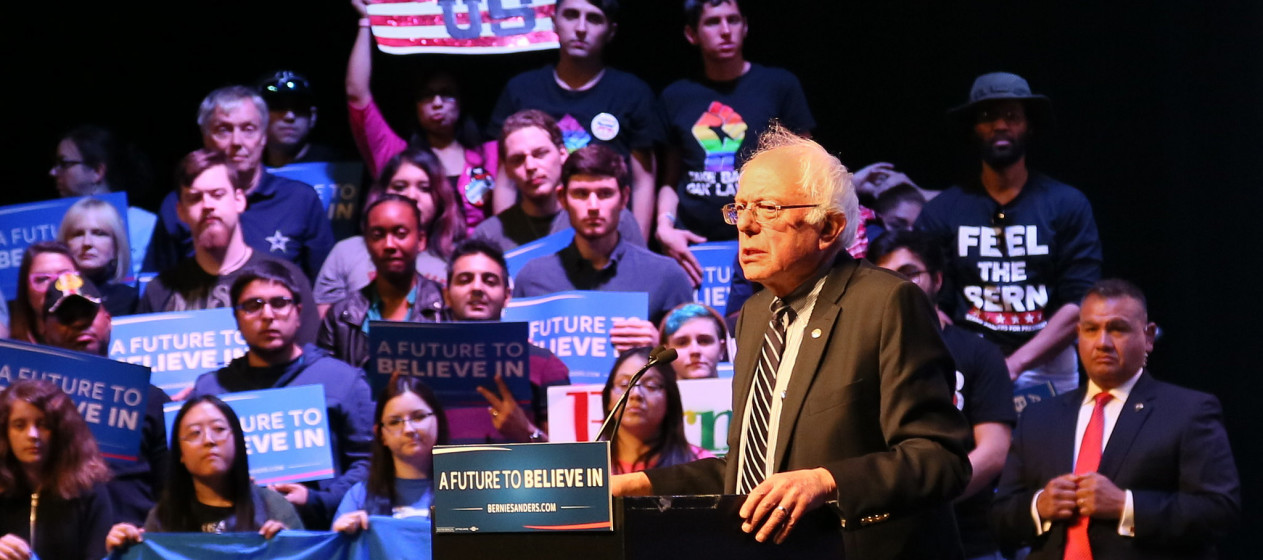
(1089, 459)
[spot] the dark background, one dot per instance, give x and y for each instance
(1157, 109)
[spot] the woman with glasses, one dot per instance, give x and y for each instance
(94, 231)
(443, 128)
(651, 432)
(42, 263)
(410, 422)
(208, 488)
(51, 499)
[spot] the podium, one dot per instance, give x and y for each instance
(656, 528)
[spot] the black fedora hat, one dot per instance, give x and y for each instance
(999, 86)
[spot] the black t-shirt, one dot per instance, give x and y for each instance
(213, 519)
(716, 126)
(984, 393)
(619, 111)
(188, 287)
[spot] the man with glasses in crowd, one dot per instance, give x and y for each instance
(267, 310)
(1023, 247)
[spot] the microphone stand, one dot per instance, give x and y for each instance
(660, 355)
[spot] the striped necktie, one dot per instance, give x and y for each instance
(755, 457)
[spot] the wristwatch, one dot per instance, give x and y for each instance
(538, 436)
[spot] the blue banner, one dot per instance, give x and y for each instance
(178, 345)
(518, 488)
(27, 224)
(546, 245)
(287, 432)
(452, 358)
(385, 539)
(110, 395)
(716, 259)
(338, 185)
(576, 327)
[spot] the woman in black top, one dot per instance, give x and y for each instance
(51, 501)
(208, 489)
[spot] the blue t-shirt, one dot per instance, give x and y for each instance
(414, 498)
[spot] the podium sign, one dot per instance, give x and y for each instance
(522, 488)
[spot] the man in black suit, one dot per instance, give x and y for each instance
(1164, 484)
(858, 414)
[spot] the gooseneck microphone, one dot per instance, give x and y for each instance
(659, 355)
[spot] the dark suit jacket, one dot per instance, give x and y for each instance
(1169, 448)
(870, 401)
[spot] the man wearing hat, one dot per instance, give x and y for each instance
(291, 118)
(74, 319)
(1023, 247)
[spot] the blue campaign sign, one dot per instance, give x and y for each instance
(388, 539)
(716, 259)
(546, 245)
(110, 395)
(576, 327)
(522, 488)
(287, 432)
(452, 358)
(338, 185)
(178, 345)
(27, 224)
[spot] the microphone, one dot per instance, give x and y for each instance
(659, 355)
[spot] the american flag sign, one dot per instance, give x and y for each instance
(463, 26)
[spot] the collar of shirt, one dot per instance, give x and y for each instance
(266, 187)
(1120, 392)
(1113, 409)
(572, 260)
(374, 312)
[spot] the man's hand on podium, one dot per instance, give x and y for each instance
(777, 503)
(631, 484)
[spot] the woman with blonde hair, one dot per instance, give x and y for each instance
(93, 230)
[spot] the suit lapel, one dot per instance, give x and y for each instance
(1135, 411)
(825, 317)
(755, 315)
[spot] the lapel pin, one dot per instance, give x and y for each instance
(815, 333)
(1140, 406)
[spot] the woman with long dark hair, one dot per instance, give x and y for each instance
(415, 174)
(651, 433)
(409, 423)
(208, 488)
(42, 263)
(51, 500)
(443, 128)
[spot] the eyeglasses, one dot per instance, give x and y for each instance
(395, 424)
(280, 305)
(910, 272)
(216, 432)
(763, 211)
(64, 164)
(651, 386)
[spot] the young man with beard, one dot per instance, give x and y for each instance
(594, 191)
(477, 290)
(1023, 247)
(210, 200)
(593, 103)
(398, 292)
(532, 152)
(284, 218)
(75, 319)
(267, 310)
